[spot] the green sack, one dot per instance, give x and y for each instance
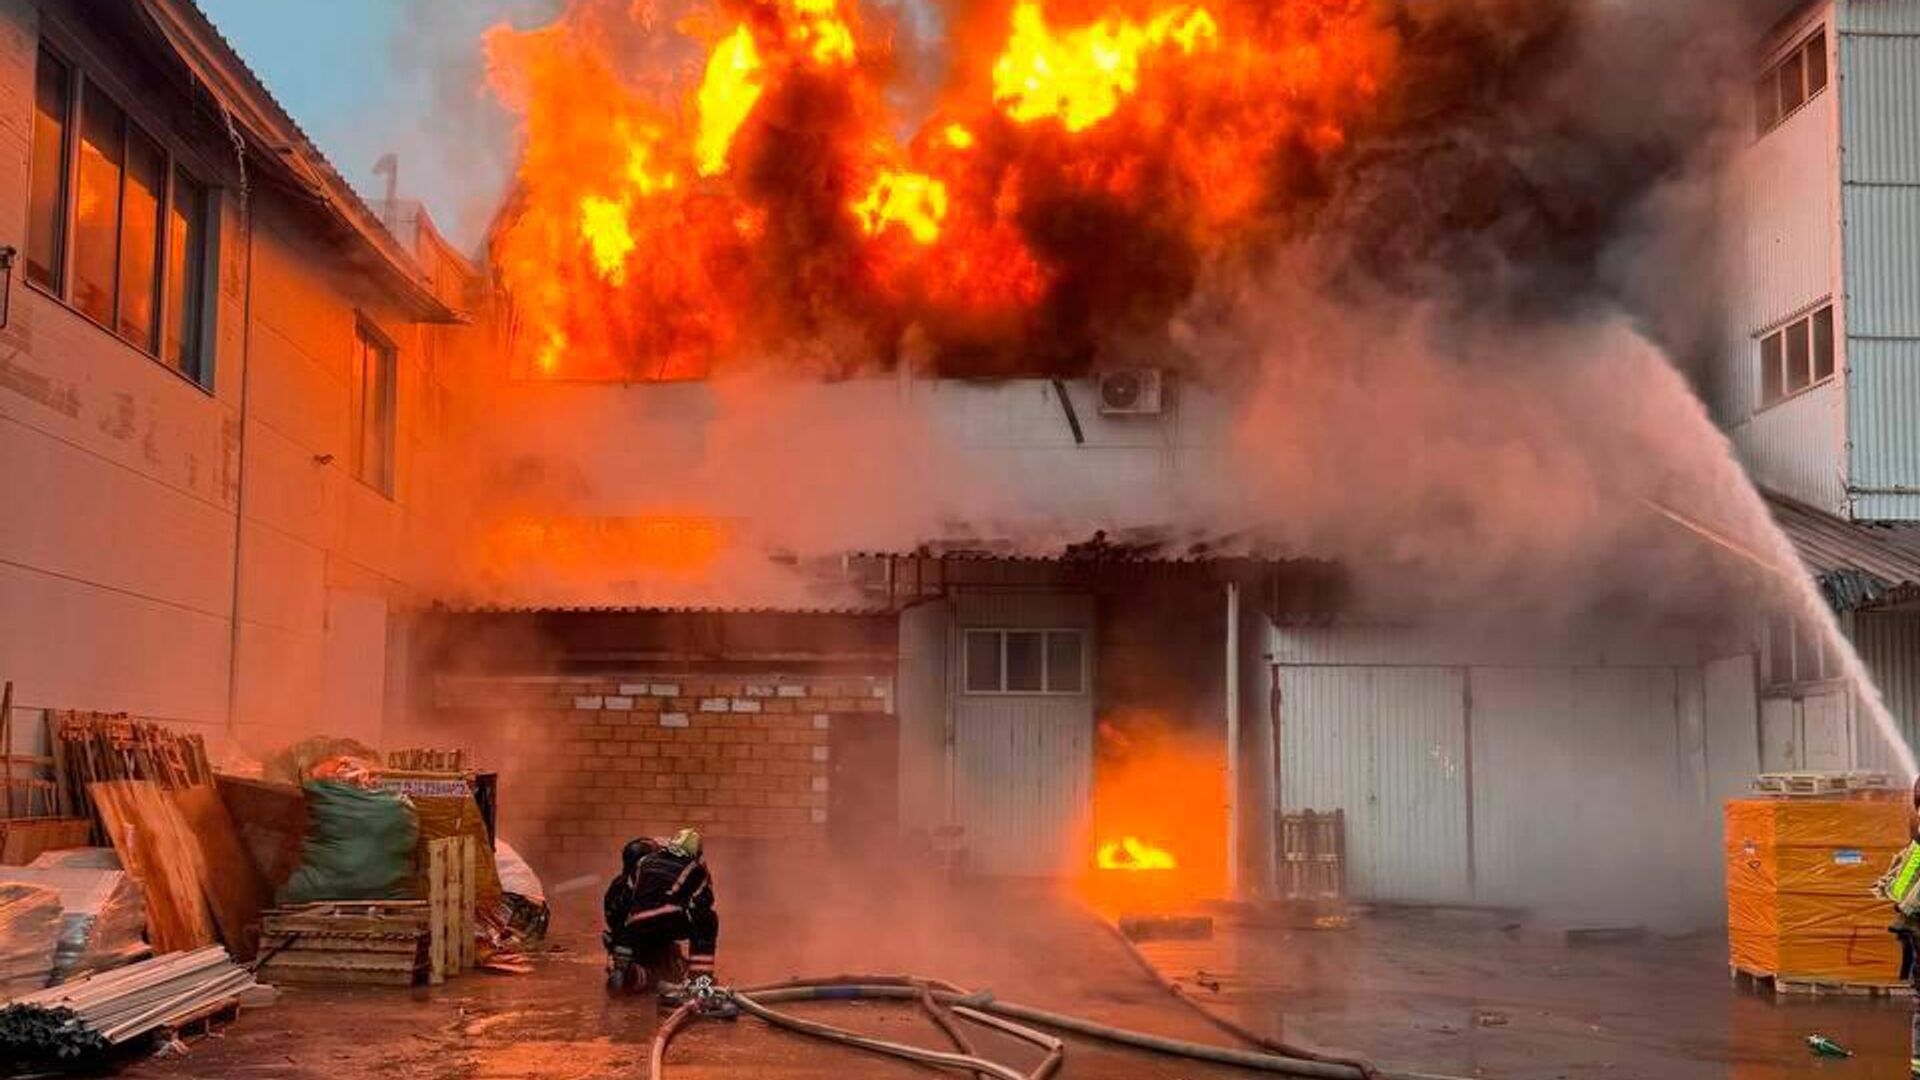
(359, 846)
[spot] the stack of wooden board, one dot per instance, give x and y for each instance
(1800, 875)
(29, 933)
(375, 942)
(125, 1003)
(34, 807)
(182, 847)
(450, 901)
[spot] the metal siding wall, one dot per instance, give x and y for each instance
(1023, 776)
(1044, 610)
(1420, 832)
(1880, 85)
(1326, 758)
(1889, 644)
(922, 681)
(1785, 243)
(1386, 745)
(1798, 447)
(1522, 760)
(1880, 16)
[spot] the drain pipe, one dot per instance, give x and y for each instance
(1233, 740)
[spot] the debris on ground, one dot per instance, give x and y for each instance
(1605, 935)
(1166, 927)
(71, 1026)
(1825, 1047)
(1489, 1018)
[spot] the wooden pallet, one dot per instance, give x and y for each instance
(380, 943)
(1821, 783)
(1788, 986)
(451, 948)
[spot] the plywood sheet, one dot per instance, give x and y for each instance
(160, 851)
(234, 887)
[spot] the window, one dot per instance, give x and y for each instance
(374, 372)
(1797, 356)
(1790, 83)
(1026, 662)
(115, 227)
(1798, 652)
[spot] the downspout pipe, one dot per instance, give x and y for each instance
(1233, 739)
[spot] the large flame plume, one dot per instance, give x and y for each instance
(737, 180)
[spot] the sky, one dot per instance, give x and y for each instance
(371, 77)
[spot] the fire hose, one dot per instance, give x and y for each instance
(983, 1009)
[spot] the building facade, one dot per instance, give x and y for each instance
(221, 382)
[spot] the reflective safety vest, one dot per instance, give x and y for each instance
(1902, 882)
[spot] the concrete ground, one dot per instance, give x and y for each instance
(1436, 993)
(1475, 994)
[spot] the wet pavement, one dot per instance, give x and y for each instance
(1479, 994)
(1461, 994)
(558, 1023)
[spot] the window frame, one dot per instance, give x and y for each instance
(1046, 635)
(1772, 72)
(1801, 638)
(197, 368)
(1778, 339)
(368, 338)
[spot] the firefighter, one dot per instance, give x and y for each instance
(672, 901)
(1898, 886)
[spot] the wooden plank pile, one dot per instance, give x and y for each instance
(356, 942)
(1822, 784)
(34, 810)
(95, 747)
(117, 1006)
(437, 761)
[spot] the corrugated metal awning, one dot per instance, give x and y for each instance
(1858, 564)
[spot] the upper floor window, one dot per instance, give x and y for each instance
(1797, 652)
(1797, 356)
(1026, 662)
(1790, 83)
(115, 227)
(375, 371)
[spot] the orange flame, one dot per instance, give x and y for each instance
(1079, 76)
(1132, 853)
(913, 200)
(669, 219)
(733, 85)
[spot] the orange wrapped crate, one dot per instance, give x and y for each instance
(1800, 875)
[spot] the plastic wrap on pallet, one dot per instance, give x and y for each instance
(1800, 876)
(103, 918)
(29, 936)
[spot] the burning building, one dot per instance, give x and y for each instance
(1069, 457)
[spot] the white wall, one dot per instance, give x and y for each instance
(1490, 773)
(123, 481)
(1784, 260)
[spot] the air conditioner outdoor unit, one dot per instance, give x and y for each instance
(1134, 392)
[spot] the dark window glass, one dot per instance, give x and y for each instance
(47, 202)
(1766, 102)
(1799, 357)
(186, 276)
(1065, 665)
(1822, 344)
(1780, 649)
(1770, 383)
(374, 371)
(983, 661)
(1816, 53)
(96, 232)
(1024, 662)
(140, 240)
(1792, 90)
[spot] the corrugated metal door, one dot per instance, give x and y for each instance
(1023, 783)
(1388, 746)
(1022, 763)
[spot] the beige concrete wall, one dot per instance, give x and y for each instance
(121, 482)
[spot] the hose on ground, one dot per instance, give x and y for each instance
(1239, 1031)
(982, 1008)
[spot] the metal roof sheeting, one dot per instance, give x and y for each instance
(1858, 564)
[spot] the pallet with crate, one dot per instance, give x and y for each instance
(1787, 986)
(1814, 784)
(380, 942)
